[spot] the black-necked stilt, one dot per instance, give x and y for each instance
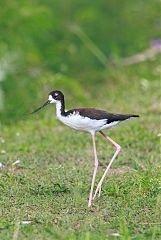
(90, 120)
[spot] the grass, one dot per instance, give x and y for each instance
(46, 195)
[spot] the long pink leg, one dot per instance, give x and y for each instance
(118, 148)
(94, 171)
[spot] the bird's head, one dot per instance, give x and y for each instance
(54, 97)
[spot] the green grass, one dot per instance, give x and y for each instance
(51, 186)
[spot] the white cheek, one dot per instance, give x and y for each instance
(51, 99)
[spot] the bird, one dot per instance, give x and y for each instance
(90, 120)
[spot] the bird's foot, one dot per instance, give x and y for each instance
(89, 204)
(98, 190)
(90, 200)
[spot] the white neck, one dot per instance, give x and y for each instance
(58, 109)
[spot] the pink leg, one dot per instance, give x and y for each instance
(118, 148)
(95, 170)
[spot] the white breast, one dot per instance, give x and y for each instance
(82, 123)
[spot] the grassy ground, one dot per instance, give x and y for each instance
(46, 195)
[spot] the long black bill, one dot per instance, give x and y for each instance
(46, 103)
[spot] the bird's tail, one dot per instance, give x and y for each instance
(134, 116)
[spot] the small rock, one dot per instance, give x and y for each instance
(115, 234)
(18, 161)
(26, 222)
(1, 165)
(2, 140)
(3, 151)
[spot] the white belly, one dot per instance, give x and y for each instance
(84, 123)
